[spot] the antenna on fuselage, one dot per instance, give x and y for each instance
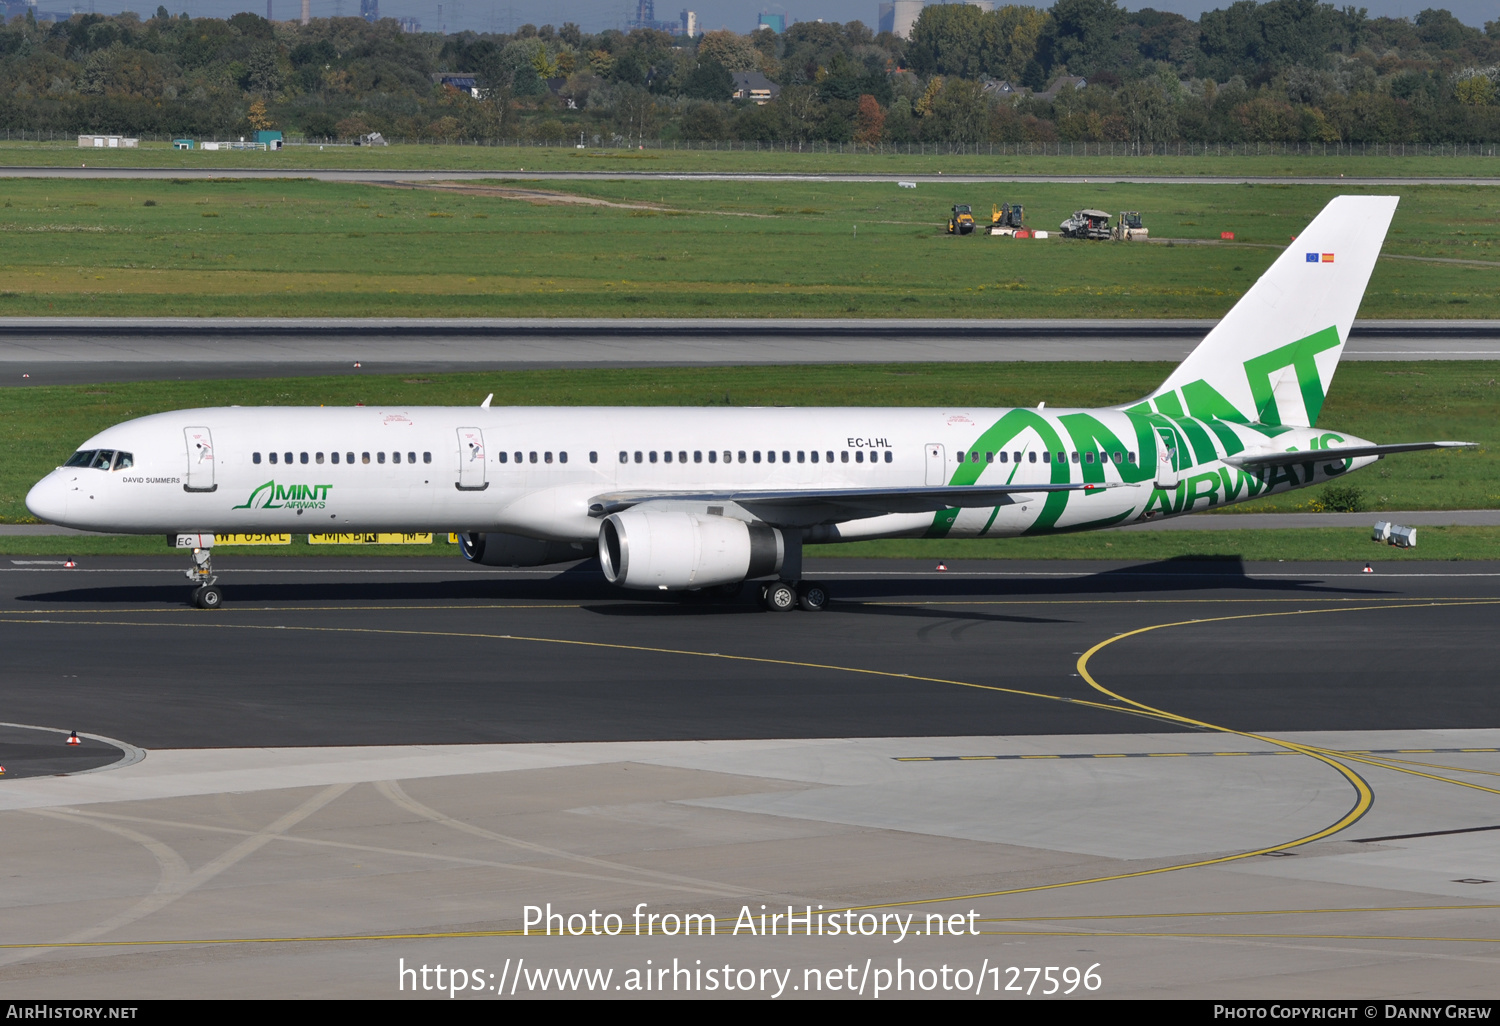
(486, 404)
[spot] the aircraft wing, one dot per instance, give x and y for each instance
(1282, 459)
(805, 507)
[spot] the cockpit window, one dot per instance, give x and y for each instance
(102, 459)
(82, 458)
(124, 460)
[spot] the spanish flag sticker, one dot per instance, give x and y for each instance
(1328, 258)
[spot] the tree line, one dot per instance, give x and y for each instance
(1081, 70)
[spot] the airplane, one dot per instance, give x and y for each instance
(708, 499)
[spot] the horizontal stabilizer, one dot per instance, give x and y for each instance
(803, 506)
(1282, 459)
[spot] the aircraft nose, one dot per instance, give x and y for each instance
(48, 499)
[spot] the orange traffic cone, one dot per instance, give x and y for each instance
(942, 566)
(2, 771)
(1369, 569)
(70, 565)
(73, 739)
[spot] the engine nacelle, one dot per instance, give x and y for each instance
(657, 549)
(492, 549)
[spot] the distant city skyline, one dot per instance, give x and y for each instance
(597, 15)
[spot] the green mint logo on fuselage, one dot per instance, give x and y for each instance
(292, 496)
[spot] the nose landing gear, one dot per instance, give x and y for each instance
(207, 594)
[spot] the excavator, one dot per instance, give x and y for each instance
(1006, 219)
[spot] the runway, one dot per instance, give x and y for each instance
(1248, 780)
(87, 350)
(380, 176)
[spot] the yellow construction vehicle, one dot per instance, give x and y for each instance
(962, 221)
(1006, 219)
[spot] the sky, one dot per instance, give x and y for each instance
(595, 15)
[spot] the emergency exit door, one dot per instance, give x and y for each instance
(471, 460)
(937, 464)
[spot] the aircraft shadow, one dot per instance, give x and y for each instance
(584, 583)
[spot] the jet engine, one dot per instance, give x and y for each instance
(658, 549)
(493, 549)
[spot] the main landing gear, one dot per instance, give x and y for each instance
(781, 596)
(791, 591)
(207, 594)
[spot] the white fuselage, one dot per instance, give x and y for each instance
(534, 471)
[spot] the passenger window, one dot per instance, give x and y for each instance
(1005, 457)
(255, 457)
(1088, 457)
(395, 457)
(697, 455)
(1130, 457)
(364, 457)
(1062, 457)
(756, 455)
(546, 457)
(289, 458)
(624, 458)
(427, 457)
(332, 456)
(729, 457)
(349, 458)
(786, 457)
(742, 455)
(562, 457)
(503, 457)
(380, 457)
(274, 458)
(681, 456)
(713, 455)
(1075, 456)
(989, 457)
(830, 455)
(1117, 458)
(801, 455)
(815, 455)
(1018, 457)
(411, 457)
(844, 456)
(318, 458)
(594, 456)
(304, 458)
(1031, 457)
(859, 455)
(638, 456)
(653, 455)
(771, 456)
(890, 457)
(533, 456)
(667, 456)
(520, 457)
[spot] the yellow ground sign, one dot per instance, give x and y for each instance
(370, 539)
(252, 539)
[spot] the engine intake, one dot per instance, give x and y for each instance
(658, 549)
(494, 549)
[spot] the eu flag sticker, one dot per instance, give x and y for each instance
(1327, 258)
(1312, 258)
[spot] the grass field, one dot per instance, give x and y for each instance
(297, 247)
(814, 159)
(1314, 544)
(1386, 402)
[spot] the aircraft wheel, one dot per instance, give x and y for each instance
(209, 597)
(812, 597)
(779, 596)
